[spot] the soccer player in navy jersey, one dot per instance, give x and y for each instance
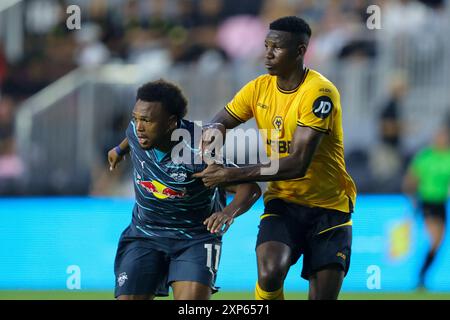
(174, 238)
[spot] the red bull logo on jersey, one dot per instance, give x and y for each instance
(159, 190)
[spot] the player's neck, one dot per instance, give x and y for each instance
(291, 81)
(166, 145)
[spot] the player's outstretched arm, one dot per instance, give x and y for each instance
(116, 154)
(245, 196)
(305, 142)
(225, 119)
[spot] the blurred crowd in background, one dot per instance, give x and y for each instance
(170, 32)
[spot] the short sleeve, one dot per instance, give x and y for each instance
(240, 107)
(318, 108)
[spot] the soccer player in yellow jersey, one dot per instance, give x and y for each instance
(309, 201)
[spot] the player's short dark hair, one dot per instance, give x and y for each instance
(292, 24)
(169, 94)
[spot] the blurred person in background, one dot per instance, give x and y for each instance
(91, 51)
(3, 65)
(11, 165)
(427, 183)
(341, 32)
(200, 38)
(386, 161)
(144, 33)
(390, 117)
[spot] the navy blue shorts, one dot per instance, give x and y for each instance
(435, 210)
(148, 266)
(323, 236)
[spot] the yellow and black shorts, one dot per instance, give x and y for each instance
(323, 236)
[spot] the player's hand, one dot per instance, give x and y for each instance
(114, 158)
(219, 222)
(213, 175)
(209, 133)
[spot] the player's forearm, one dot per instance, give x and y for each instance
(224, 118)
(290, 167)
(124, 146)
(246, 195)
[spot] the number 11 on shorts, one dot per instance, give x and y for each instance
(209, 255)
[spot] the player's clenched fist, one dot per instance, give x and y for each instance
(114, 158)
(214, 175)
(213, 137)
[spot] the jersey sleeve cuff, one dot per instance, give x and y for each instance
(323, 130)
(234, 115)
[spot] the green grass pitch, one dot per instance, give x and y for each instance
(107, 295)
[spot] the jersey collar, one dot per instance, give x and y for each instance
(305, 74)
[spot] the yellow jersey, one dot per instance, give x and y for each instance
(314, 103)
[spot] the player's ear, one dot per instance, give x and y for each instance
(301, 50)
(173, 122)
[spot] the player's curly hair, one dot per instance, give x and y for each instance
(169, 94)
(292, 24)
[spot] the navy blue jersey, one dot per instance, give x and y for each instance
(169, 202)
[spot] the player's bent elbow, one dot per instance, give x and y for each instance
(295, 166)
(255, 191)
